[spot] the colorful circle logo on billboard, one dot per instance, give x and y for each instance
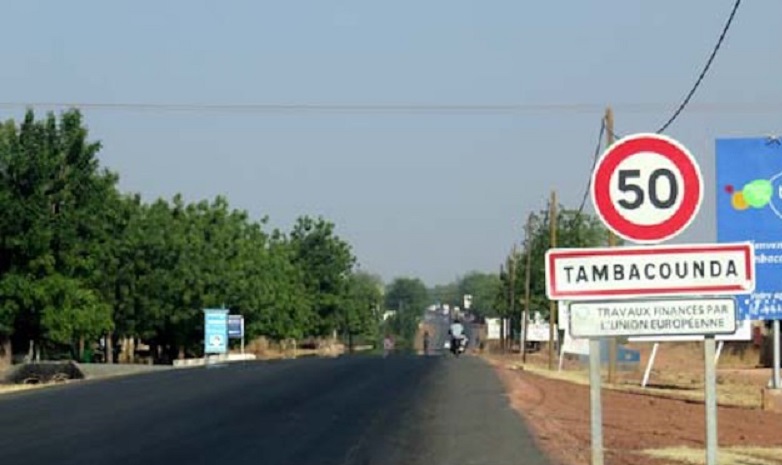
(759, 193)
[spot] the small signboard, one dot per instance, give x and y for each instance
(235, 326)
(215, 331)
(705, 316)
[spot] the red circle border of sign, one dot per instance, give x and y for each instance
(668, 148)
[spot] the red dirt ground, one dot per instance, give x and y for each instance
(558, 412)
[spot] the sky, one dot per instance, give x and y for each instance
(431, 194)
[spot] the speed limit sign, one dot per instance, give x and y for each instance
(647, 188)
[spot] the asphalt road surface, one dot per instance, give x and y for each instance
(360, 410)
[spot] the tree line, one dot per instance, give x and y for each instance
(81, 261)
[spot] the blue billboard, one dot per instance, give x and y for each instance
(749, 208)
(235, 326)
(215, 331)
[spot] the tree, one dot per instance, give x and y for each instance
(483, 287)
(446, 294)
(360, 313)
(52, 192)
(326, 262)
(574, 229)
(409, 298)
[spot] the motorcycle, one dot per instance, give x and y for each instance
(458, 345)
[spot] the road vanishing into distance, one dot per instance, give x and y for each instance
(362, 410)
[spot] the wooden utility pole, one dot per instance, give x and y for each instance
(527, 277)
(502, 320)
(552, 320)
(612, 349)
(511, 291)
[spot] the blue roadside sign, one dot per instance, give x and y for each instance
(215, 331)
(749, 208)
(235, 326)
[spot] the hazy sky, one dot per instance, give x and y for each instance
(431, 194)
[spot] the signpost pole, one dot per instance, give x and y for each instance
(719, 351)
(552, 319)
(595, 407)
(527, 275)
(711, 400)
(512, 294)
(609, 122)
(649, 364)
(775, 370)
(242, 335)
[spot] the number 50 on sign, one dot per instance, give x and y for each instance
(647, 188)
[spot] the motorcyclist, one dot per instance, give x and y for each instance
(456, 331)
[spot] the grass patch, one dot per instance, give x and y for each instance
(725, 455)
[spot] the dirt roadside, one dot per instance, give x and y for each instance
(638, 429)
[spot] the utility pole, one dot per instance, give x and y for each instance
(527, 274)
(612, 349)
(511, 290)
(502, 318)
(552, 320)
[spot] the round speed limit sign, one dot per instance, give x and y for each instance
(647, 188)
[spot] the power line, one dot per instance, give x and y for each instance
(705, 69)
(686, 102)
(595, 157)
(532, 108)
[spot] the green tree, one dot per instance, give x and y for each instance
(409, 298)
(574, 229)
(360, 313)
(52, 191)
(483, 287)
(446, 294)
(326, 262)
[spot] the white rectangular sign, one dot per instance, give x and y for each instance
(716, 315)
(650, 271)
(570, 345)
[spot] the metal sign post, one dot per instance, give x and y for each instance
(710, 383)
(595, 402)
(775, 324)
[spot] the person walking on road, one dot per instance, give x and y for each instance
(388, 346)
(426, 342)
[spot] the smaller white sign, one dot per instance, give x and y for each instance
(570, 345)
(492, 329)
(539, 332)
(707, 316)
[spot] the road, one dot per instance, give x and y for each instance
(362, 410)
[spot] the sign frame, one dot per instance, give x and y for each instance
(555, 291)
(691, 192)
